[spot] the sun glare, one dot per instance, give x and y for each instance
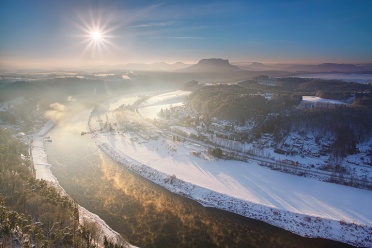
(96, 36)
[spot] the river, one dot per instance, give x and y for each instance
(144, 213)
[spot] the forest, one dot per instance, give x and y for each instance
(235, 102)
(32, 212)
(273, 109)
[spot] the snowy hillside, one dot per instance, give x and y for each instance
(302, 205)
(151, 107)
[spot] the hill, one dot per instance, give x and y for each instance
(212, 65)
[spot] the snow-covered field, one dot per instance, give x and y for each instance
(301, 205)
(42, 168)
(313, 101)
(151, 107)
(347, 77)
(316, 99)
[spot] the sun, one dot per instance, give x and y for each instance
(96, 36)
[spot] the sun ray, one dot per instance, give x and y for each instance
(96, 35)
(91, 50)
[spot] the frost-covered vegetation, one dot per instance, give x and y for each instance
(247, 122)
(32, 212)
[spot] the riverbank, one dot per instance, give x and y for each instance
(301, 205)
(42, 168)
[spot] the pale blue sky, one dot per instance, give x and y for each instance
(57, 32)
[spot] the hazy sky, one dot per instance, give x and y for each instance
(59, 33)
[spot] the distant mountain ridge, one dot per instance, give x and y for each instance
(205, 65)
(327, 67)
(304, 68)
(212, 65)
(158, 66)
(253, 66)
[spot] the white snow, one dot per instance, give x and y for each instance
(186, 130)
(104, 230)
(119, 101)
(301, 205)
(314, 101)
(249, 181)
(40, 158)
(151, 107)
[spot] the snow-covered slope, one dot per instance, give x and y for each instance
(302, 205)
(314, 101)
(151, 107)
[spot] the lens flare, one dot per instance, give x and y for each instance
(96, 34)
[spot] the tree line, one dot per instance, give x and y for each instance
(32, 212)
(235, 102)
(347, 124)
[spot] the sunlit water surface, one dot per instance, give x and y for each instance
(144, 213)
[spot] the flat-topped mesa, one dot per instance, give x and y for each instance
(212, 65)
